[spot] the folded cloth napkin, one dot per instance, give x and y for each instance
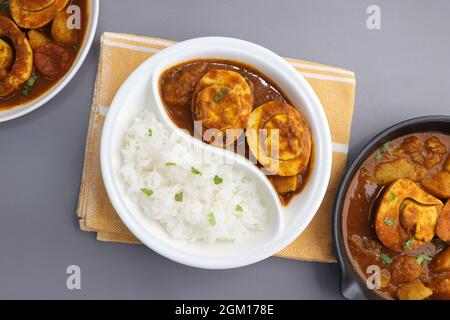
(121, 54)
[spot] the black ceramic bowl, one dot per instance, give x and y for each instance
(352, 285)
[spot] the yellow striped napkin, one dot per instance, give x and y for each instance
(121, 54)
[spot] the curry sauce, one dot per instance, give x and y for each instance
(186, 101)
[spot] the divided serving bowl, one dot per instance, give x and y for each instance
(285, 223)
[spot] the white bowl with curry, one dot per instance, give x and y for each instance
(232, 96)
(43, 44)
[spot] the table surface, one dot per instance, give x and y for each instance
(402, 72)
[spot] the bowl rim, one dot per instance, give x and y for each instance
(312, 103)
(352, 285)
(39, 101)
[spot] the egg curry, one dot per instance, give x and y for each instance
(232, 105)
(397, 216)
(38, 46)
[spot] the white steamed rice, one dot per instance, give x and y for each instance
(162, 162)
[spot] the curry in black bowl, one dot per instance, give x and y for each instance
(394, 216)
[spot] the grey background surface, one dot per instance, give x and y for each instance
(402, 71)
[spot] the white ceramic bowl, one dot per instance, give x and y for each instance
(21, 110)
(285, 223)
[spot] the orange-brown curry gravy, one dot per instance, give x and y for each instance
(185, 77)
(358, 214)
(43, 84)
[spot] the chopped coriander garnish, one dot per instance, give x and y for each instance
(4, 4)
(195, 171)
(26, 88)
(392, 197)
(170, 164)
(212, 219)
(407, 245)
(32, 80)
(381, 151)
(217, 179)
(378, 156)
(221, 94)
(147, 192)
(385, 258)
(389, 222)
(239, 208)
(179, 196)
(423, 257)
(150, 132)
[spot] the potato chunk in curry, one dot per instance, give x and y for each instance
(280, 138)
(415, 290)
(60, 30)
(439, 184)
(441, 288)
(443, 223)
(400, 168)
(389, 229)
(37, 39)
(284, 185)
(222, 100)
(441, 262)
